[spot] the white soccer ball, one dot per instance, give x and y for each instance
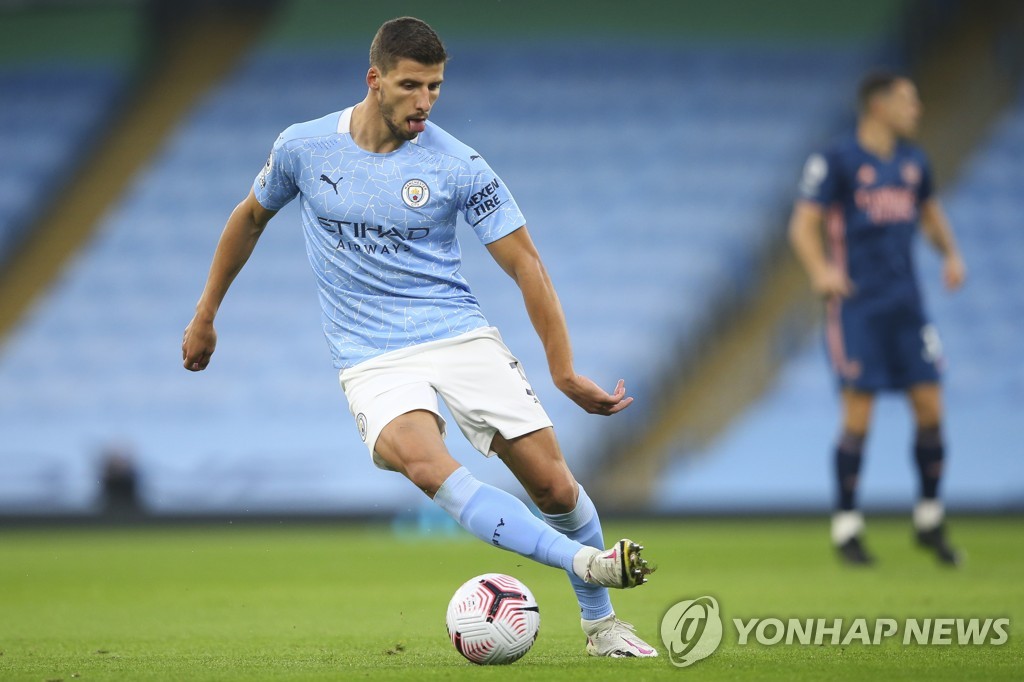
(493, 619)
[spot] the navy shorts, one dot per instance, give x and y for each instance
(889, 349)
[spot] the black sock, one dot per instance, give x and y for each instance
(848, 458)
(929, 452)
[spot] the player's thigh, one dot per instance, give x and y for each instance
(926, 402)
(412, 444)
(536, 461)
(487, 391)
(382, 390)
(857, 409)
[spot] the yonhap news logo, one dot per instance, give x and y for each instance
(692, 630)
(847, 631)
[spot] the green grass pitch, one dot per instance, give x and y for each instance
(331, 602)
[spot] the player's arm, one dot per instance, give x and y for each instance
(242, 231)
(805, 236)
(936, 228)
(518, 257)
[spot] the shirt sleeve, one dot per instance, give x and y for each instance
(486, 203)
(820, 179)
(275, 185)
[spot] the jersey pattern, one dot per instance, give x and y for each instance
(380, 231)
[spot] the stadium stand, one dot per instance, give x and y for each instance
(647, 210)
(51, 112)
(777, 454)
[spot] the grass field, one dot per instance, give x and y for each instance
(238, 602)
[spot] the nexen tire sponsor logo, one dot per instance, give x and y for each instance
(484, 202)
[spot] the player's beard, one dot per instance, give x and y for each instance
(387, 112)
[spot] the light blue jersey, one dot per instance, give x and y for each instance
(380, 231)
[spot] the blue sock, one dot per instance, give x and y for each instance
(504, 521)
(848, 455)
(929, 454)
(583, 525)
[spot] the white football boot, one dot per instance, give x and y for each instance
(614, 638)
(620, 567)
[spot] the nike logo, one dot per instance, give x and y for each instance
(638, 647)
(332, 183)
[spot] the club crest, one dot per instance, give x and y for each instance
(866, 175)
(911, 173)
(415, 193)
(361, 425)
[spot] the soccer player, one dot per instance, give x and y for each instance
(380, 188)
(873, 188)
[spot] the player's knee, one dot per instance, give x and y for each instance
(426, 475)
(556, 496)
(927, 404)
(928, 415)
(851, 442)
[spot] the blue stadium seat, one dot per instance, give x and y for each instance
(647, 211)
(777, 454)
(49, 116)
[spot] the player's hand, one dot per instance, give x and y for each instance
(832, 281)
(592, 397)
(954, 272)
(198, 344)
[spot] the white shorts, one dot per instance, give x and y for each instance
(475, 374)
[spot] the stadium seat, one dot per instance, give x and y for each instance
(777, 454)
(50, 115)
(647, 214)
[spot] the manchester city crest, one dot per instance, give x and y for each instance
(415, 193)
(361, 425)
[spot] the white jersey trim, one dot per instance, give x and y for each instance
(345, 121)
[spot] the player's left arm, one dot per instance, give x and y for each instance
(936, 228)
(518, 257)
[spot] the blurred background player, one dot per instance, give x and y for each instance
(381, 189)
(873, 188)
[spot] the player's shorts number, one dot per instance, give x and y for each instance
(932, 351)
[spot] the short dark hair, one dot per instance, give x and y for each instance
(875, 83)
(406, 38)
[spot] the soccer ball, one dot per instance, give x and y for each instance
(493, 619)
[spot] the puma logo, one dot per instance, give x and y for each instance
(333, 183)
(474, 157)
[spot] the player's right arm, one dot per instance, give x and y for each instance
(805, 237)
(243, 229)
(819, 185)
